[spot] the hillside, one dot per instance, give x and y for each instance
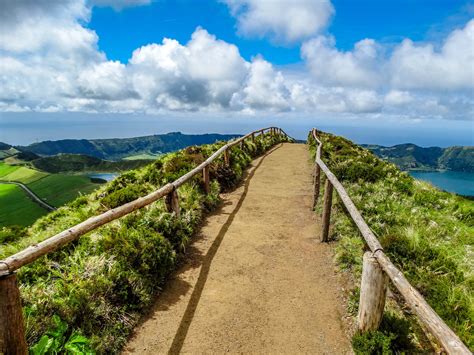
(411, 156)
(82, 163)
(119, 148)
(427, 233)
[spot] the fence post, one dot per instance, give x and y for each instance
(253, 137)
(172, 202)
(205, 177)
(226, 157)
(326, 210)
(12, 328)
(241, 145)
(317, 184)
(373, 291)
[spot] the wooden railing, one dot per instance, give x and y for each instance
(377, 268)
(12, 332)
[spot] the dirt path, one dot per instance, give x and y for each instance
(257, 280)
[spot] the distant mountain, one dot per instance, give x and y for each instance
(119, 148)
(411, 156)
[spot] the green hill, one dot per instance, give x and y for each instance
(82, 163)
(119, 148)
(411, 156)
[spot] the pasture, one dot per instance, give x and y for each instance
(16, 208)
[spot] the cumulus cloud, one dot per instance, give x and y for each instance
(50, 61)
(330, 66)
(281, 20)
(421, 66)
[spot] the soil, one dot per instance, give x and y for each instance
(256, 279)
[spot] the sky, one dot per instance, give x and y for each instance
(383, 72)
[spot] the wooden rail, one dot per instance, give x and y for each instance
(373, 284)
(12, 336)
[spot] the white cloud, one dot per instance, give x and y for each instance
(281, 20)
(357, 68)
(50, 61)
(264, 89)
(423, 67)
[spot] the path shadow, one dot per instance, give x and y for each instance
(188, 315)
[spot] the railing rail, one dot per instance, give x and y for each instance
(373, 289)
(12, 339)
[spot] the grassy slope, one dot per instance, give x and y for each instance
(16, 208)
(55, 189)
(59, 189)
(101, 284)
(427, 233)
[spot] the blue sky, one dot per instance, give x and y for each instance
(379, 68)
(387, 21)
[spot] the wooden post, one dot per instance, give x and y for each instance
(205, 176)
(317, 184)
(226, 157)
(373, 291)
(172, 202)
(241, 145)
(326, 211)
(12, 328)
(253, 137)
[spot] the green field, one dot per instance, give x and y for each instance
(16, 208)
(55, 189)
(59, 189)
(6, 169)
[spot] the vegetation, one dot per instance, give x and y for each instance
(82, 163)
(119, 148)
(16, 208)
(59, 189)
(101, 284)
(411, 156)
(427, 233)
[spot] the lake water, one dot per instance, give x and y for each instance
(453, 181)
(104, 176)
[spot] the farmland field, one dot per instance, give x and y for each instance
(59, 189)
(16, 208)
(6, 169)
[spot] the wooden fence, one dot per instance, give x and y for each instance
(12, 331)
(377, 267)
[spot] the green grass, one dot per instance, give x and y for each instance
(20, 174)
(6, 169)
(59, 189)
(427, 233)
(16, 208)
(100, 285)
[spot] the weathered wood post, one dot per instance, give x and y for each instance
(253, 137)
(205, 177)
(241, 145)
(172, 202)
(317, 184)
(373, 291)
(12, 328)
(226, 157)
(326, 210)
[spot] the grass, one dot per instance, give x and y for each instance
(20, 174)
(101, 284)
(16, 208)
(427, 233)
(6, 169)
(58, 189)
